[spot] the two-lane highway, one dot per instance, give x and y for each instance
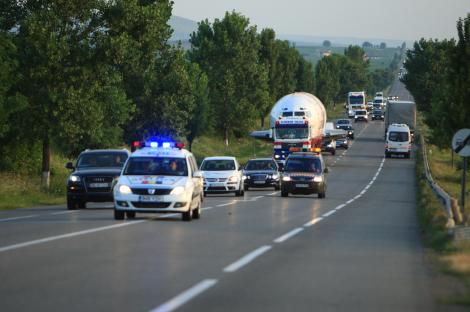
(356, 250)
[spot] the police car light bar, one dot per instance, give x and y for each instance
(157, 144)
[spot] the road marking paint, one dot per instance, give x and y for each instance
(363, 192)
(286, 236)
(340, 207)
(246, 259)
(186, 296)
(357, 196)
(273, 193)
(257, 197)
(349, 201)
(69, 235)
(18, 218)
(329, 213)
(313, 222)
(207, 208)
(227, 204)
(63, 212)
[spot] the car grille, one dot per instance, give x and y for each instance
(216, 179)
(259, 177)
(151, 205)
(145, 191)
(89, 181)
(217, 188)
(300, 178)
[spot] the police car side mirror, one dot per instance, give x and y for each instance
(69, 165)
(325, 170)
(197, 174)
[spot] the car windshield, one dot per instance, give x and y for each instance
(342, 121)
(378, 101)
(359, 99)
(398, 136)
(291, 133)
(360, 112)
(167, 166)
(344, 127)
(101, 160)
(303, 165)
(377, 112)
(260, 165)
(218, 165)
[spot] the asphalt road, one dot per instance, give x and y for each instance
(356, 250)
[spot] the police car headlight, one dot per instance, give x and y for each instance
(275, 176)
(318, 179)
(124, 189)
(233, 179)
(74, 178)
(177, 190)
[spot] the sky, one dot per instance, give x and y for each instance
(387, 19)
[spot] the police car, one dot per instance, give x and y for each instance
(160, 177)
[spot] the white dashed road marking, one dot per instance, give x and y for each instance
(246, 259)
(286, 236)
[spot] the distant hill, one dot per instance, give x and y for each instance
(182, 28)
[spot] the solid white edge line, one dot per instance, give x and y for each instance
(185, 296)
(63, 212)
(329, 213)
(68, 235)
(288, 235)
(313, 222)
(340, 207)
(246, 259)
(207, 208)
(273, 193)
(227, 204)
(18, 218)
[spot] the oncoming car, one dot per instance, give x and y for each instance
(222, 174)
(261, 172)
(159, 178)
(304, 173)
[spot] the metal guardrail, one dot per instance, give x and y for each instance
(443, 195)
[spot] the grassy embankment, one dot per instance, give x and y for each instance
(450, 257)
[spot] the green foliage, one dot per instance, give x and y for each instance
(227, 51)
(326, 43)
(438, 76)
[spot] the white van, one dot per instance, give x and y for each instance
(398, 140)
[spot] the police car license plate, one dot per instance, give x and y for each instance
(98, 185)
(149, 198)
(259, 182)
(301, 185)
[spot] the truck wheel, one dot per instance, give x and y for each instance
(118, 214)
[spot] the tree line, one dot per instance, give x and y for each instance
(82, 74)
(438, 76)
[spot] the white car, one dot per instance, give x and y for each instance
(222, 175)
(159, 178)
(398, 140)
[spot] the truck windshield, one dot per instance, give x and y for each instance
(167, 166)
(356, 99)
(101, 160)
(291, 133)
(398, 136)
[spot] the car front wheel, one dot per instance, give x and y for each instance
(118, 214)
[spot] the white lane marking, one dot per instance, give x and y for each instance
(273, 193)
(349, 201)
(357, 196)
(18, 218)
(68, 235)
(313, 222)
(329, 213)
(246, 259)
(227, 204)
(340, 207)
(257, 197)
(63, 212)
(286, 236)
(363, 192)
(207, 208)
(185, 296)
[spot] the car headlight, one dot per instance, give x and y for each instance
(275, 176)
(124, 189)
(233, 179)
(276, 156)
(330, 145)
(318, 179)
(74, 178)
(286, 178)
(350, 132)
(177, 190)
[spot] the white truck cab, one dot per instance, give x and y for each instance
(398, 140)
(161, 177)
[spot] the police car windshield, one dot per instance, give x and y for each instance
(218, 165)
(167, 166)
(303, 165)
(101, 160)
(261, 165)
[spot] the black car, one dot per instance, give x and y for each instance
(349, 129)
(93, 177)
(304, 173)
(342, 142)
(328, 146)
(378, 114)
(262, 172)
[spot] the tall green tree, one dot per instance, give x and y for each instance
(228, 52)
(327, 79)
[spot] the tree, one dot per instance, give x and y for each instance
(305, 76)
(327, 43)
(383, 45)
(367, 45)
(327, 78)
(228, 52)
